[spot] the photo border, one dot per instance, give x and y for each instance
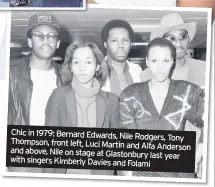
(128, 178)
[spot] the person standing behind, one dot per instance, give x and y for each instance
(117, 37)
(33, 78)
(173, 28)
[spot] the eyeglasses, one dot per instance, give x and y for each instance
(183, 38)
(51, 37)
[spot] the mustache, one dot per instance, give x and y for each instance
(121, 51)
(45, 46)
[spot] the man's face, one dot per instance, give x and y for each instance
(180, 40)
(118, 44)
(44, 41)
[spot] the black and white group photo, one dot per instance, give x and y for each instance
(107, 67)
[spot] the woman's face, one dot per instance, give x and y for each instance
(84, 65)
(159, 61)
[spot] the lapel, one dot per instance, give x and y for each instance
(130, 70)
(106, 86)
(167, 100)
(25, 91)
(72, 109)
(71, 106)
(134, 75)
(100, 109)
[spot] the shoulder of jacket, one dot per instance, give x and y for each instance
(133, 89)
(196, 62)
(62, 90)
(19, 62)
(183, 85)
(108, 95)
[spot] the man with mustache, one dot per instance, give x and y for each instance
(173, 28)
(117, 37)
(33, 78)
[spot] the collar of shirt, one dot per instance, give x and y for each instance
(186, 64)
(116, 84)
(111, 68)
(54, 65)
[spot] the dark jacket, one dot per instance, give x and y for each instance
(20, 90)
(61, 111)
(184, 102)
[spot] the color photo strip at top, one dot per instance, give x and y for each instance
(42, 3)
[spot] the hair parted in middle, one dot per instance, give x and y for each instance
(66, 73)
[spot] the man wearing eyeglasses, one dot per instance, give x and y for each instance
(33, 78)
(173, 28)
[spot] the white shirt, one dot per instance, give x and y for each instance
(44, 82)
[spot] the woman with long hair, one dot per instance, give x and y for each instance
(81, 102)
